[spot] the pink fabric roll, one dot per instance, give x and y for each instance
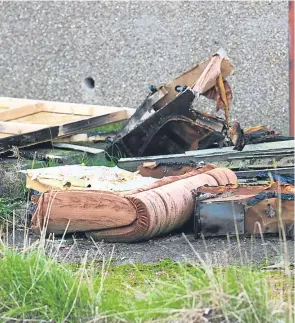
(131, 216)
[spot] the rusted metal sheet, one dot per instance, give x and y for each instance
(244, 210)
(266, 215)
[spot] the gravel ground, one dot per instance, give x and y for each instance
(48, 48)
(179, 247)
(215, 251)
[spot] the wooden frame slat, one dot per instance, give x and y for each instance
(8, 104)
(19, 127)
(50, 133)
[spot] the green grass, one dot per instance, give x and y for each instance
(115, 126)
(36, 287)
(7, 206)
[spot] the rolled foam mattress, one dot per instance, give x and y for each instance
(141, 214)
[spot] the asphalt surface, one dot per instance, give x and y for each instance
(48, 49)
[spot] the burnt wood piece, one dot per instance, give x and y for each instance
(52, 132)
(171, 130)
(135, 142)
(146, 106)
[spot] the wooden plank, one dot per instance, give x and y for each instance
(7, 103)
(28, 139)
(16, 128)
(42, 114)
(85, 149)
(84, 110)
(65, 130)
(14, 114)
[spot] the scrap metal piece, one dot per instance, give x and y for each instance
(258, 156)
(244, 210)
(143, 109)
(253, 135)
(165, 119)
(219, 218)
(209, 120)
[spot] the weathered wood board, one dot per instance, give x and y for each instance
(23, 125)
(7, 103)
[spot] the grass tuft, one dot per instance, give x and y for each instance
(36, 287)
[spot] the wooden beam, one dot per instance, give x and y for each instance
(16, 128)
(13, 114)
(7, 103)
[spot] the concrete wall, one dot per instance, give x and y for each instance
(48, 48)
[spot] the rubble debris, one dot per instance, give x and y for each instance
(264, 209)
(27, 125)
(167, 123)
(126, 216)
(283, 175)
(168, 131)
(257, 156)
(253, 135)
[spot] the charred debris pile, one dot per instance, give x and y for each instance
(176, 165)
